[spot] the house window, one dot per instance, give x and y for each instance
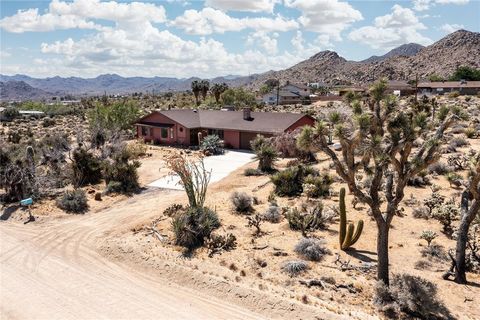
(217, 132)
(145, 131)
(181, 129)
(164, 133)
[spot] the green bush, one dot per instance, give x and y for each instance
(74, 201)
(10, 113)
(252, 172)
(289, 182)
(212, 145)
(315, 186)
(193, 226)
(265, 153)
(86, 168)
(121, 175)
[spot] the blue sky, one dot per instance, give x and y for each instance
(214, 37)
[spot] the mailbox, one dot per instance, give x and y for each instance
(26, 202)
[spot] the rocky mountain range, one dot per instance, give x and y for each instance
(403, 63)
(441, 58)
(405, 50)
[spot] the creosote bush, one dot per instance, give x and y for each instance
(434, 252)
(410, 295)
(73, 201)
(312, 249)
(242, 202)
(121, 175)
(86, 167)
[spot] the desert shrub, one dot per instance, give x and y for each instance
(458, 161)
(212, 145)
(422, 265)
(242, 202)
(265, 153)
(421, 213)
(458, 142)
(273, 214)
(434, 201)
(121, 175)
(446, 214)
(252, 172)
(173, 209)
(48, 122)
(409, 295)
(470, 132)
(255, 222)
(118, 115)
(435, 252)
(308, 219)
(74, 201)
(86, 168)
(56, 141)
(192, 226)
(439, 168)
(218, 243)
(286, 146)
(10, 113)
(454, 94)
(289, 182)
(453, 179)
(311, 249)
(429, 236)
(294, 268)
(137, 149)
(315, 186)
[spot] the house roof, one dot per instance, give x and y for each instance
(264, 122)
(450, 84)
(300, 86)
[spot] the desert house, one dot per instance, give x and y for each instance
(236, 128)
(290, 93)
(441, 87)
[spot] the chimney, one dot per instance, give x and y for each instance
(247, 113)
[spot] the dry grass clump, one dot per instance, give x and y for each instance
(295, 267)
(312, 249)
(242, 202)
(273, 214)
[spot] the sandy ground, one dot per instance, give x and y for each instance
(54, 272)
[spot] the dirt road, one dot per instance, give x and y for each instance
(52, 271)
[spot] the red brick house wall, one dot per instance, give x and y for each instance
(231, 138)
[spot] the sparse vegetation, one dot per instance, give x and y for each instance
(311, 249)
(242, 202)
(294, 268)
(73, 201)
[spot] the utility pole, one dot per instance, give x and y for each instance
(278, 90)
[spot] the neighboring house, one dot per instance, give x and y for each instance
(288, 94)
(400, 88)
(441, 87)
(343, 90)
(236, 128)
(284, 97)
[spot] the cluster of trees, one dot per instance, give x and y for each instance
(201, 88)
(461, 73)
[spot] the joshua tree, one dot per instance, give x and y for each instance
(380, 141)
(204, 86)
(217, 90)
(196, 89)
(472, 191)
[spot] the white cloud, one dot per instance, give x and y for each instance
(263, 40)
(4, 54)
(81, 14)
(449, 28)
(243, 5)
(208, 21)
(391, 30)
(328, 17)
(421, 5)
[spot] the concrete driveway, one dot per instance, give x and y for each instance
(219, 166)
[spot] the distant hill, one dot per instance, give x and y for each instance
(441, 58)
(20, 90)
(405, 50)
(403, 63)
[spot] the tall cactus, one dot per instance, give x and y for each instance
(349, 236)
